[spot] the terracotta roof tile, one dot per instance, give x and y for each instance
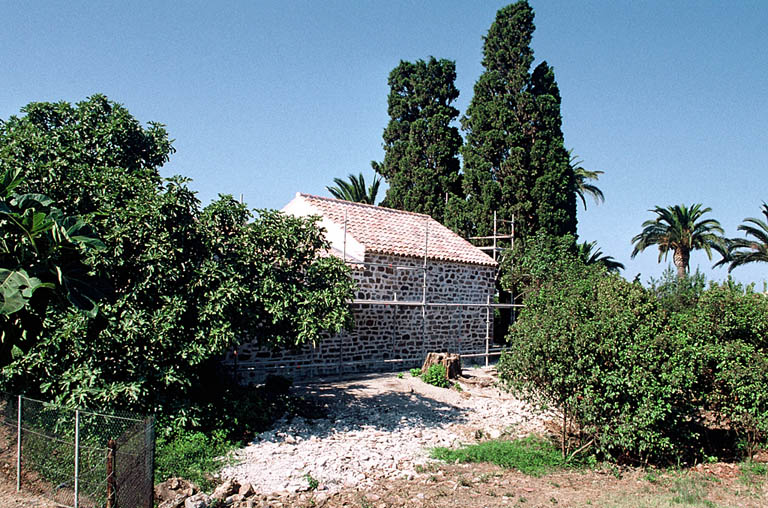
(389, 231)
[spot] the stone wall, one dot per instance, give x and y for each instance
(388, 337)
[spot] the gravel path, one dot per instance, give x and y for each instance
(378, 427)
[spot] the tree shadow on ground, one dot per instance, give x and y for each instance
(350, 406)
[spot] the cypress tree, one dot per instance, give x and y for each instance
(515, 161)
(421, 163)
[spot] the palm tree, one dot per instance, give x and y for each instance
(676, 229)
(590, 254)
(355, 190)
(743, 250)
(583, 176)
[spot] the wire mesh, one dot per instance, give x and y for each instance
(78, 458)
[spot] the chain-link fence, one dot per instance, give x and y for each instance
(78, 459)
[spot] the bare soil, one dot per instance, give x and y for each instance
(485, 485)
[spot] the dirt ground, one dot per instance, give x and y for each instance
(9, 498)
(484, 485)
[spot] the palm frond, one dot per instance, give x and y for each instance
(742, 251)
(590, 254)
(354, 189)
(582, 177)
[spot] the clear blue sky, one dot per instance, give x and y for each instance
(268, 98)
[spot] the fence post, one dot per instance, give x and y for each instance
(77, 456)
(111, 480)
(18, 448)
(149, 447)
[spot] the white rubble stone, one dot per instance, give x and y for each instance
(348, 448)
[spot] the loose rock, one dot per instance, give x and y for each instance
(377, 429)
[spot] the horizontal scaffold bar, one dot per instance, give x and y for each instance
(498, 237)
(417, 303)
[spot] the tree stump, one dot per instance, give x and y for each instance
(451, 362)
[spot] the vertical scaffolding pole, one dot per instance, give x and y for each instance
(344, 253)
(424, 292)
(494, 235)
(344, 259)
(512, 311)
(487, 329)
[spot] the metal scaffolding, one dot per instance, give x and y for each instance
(496, 250)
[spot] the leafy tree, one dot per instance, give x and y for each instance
(515, 161)
(680, 229)
(187, 284)
(355, 189)
(86, 156)
(40, 249)
(592, 346)
(421, 163)
(590, 254)
(583, 177)
(742, 251)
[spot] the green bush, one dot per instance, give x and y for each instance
(633, 371)
(676, 294)
(436, 375)
(415, 372)
(594, 346)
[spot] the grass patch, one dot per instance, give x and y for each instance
(194, 456)
(532, 455)
(753, 474)
(691, 490)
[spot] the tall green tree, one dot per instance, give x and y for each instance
(186, 283)
(355, 189)
(583, 177)
(421, 160)
(515, 162)
(680, 229)
(742, 251)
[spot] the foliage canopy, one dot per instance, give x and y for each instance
(632, 370)
(421, 163)
(187, 283)
(515, 162)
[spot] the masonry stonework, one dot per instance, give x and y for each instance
(388, 337)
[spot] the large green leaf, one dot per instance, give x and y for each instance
(16, 288)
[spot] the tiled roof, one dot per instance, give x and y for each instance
(388, 231)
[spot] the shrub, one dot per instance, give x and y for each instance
(594, 346)
(677, 294)
(415, 372)
(436, 375)
(740, 392)
(634, 371)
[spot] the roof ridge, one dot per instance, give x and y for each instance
(365, 205)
